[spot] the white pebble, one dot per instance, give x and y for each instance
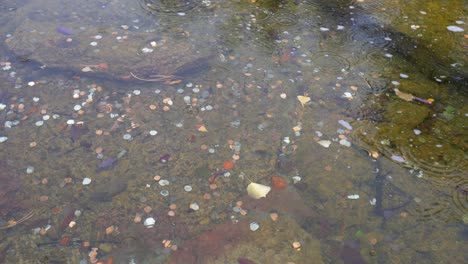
(353, 196)
(77, 107)
(254, 226)
(45, 117)
(345, 124)
(127, 137)
(2, 106)
(324, 29)
(417, 131)
(39, 123)
(3, 139)
(404, 76)
(29, 169)
(136, 92)
(94, 43)
(194, 206)
(163, 182)
(324, 143)
(153, 132)
(398, 158)
(31, 83)
(188, 188)
(345, 142)
(296, 179)
(70, 122)
(455, 29)
(86, 181)
(149, 222)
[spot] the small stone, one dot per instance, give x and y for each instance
(70, 122)
(149, 222)
(86, 181)
(77, 213)
(324, 143)
(254, 226)
(296, 245)
(455, 29)
(404, 76)
(353, 196)
(3, 139)
(188, 188)
(29, 169)
(194, 206)
(39, 123)
(163, 182)
(153, 132)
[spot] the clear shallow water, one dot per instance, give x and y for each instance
(205, 94)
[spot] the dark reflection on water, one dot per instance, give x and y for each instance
(141, 143)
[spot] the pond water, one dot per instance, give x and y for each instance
(245, 131)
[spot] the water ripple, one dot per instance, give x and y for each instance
(285, 18)
(434, 160)
(330, 62)
(170, 7)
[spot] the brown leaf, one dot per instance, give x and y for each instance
(405, 96)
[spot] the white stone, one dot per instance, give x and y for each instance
(353, 196)
(3, 139)
(455, 29)
(254, 226)
(149, 222)
(86, 181)
(345, 142)
(194, 206)
(324, 143)
(29, 169)
(163, 182)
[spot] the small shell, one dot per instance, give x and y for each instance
(325, 143)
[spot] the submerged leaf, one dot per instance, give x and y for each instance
(303, 99)
(405, 96)
(257, 191)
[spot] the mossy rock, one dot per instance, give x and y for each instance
(406, 115)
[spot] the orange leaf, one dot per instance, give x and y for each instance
(227, 165)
